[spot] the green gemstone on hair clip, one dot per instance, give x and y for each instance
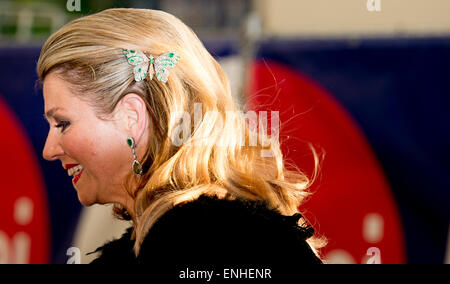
(158, 67)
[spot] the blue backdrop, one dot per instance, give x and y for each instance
(397, 90)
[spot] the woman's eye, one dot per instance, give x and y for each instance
(63, 125)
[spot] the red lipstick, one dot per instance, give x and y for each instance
(69, 166)
(77, 177)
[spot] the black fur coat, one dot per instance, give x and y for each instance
(216, 231)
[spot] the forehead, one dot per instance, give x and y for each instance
(54, 88)
(57, 95)
(60, 100)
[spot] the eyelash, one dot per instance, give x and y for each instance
(63, 125)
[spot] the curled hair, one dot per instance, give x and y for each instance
(87, 53)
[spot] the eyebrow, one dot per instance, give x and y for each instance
(51, 112)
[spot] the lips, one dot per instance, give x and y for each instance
(69, 166)
(77, 177)
(75, 171)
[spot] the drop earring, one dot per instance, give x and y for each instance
(136, 166)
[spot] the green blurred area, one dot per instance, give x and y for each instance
(45, 12)
(88, 6)
(205, 16)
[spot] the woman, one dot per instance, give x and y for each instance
(120, 88)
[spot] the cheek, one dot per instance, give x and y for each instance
(100, 151)
(80, 148)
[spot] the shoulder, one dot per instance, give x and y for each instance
(213, 230)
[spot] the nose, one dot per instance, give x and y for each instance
(52, 149)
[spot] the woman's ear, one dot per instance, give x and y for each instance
(134, 115)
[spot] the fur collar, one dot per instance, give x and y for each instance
(210, 230)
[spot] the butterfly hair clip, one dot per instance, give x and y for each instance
(150, 66)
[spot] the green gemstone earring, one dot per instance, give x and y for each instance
(136, 166)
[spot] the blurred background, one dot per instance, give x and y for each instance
(364, 81)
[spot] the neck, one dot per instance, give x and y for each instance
(129, 206)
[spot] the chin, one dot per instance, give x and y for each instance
(86, 201)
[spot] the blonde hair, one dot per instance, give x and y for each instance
(87, 53)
